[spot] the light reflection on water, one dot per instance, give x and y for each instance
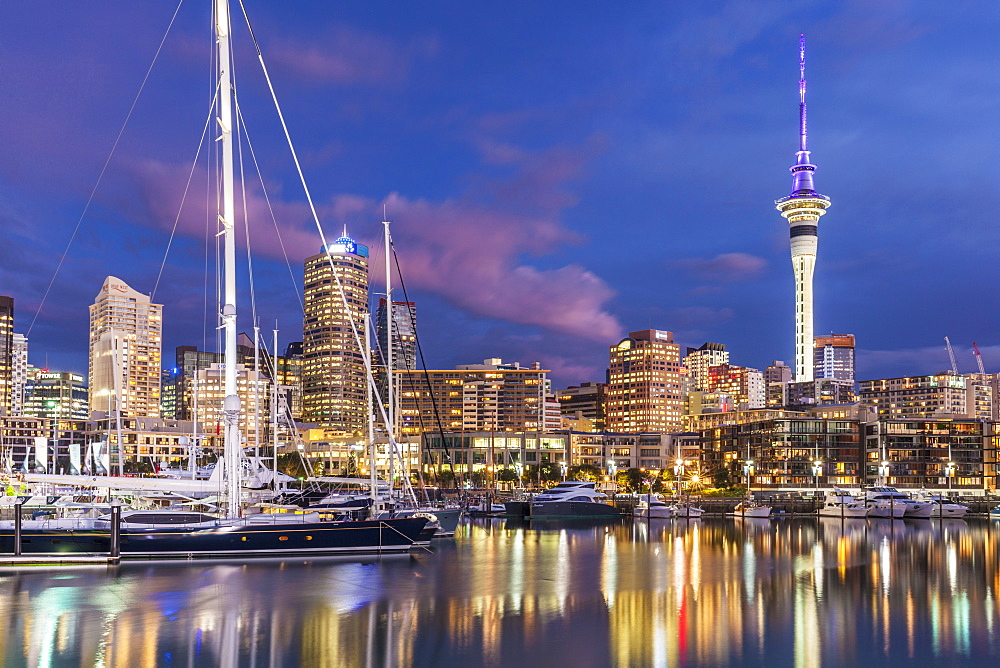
(799, 592)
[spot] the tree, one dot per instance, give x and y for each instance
(480, 478)
(631, 479)
(585, 472)
(550, 472)
(506, 475)
(446, 477)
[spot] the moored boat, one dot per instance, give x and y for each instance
(652, 506)
(840, 503)
(572, 499)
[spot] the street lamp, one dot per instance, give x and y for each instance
(679, 473)
(562, 469)
(883, 471)
(611, 468)
(949, 472)
(817, 471)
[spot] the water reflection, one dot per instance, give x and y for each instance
(800, 592)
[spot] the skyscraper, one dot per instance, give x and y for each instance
(803, 209)
(6, 352)
(644, 390)
(19, 373)
(125, 339)
(404, 333)
(834, 357)
(334, 392)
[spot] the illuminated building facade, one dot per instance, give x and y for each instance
(584, 401)
(940, 395)
(743, 388)
(644, 389)
(334, 383)
(6, 353)
(254, 390)
(57, 396)
(803, 209)
(492, 396)
(19, 374)
(485, 452)
(698, 361)
(784, 452)
(125, 335)
(833, 357)
(775, 376)
(917, 453)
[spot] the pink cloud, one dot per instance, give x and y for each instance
(466, 253)
(725, 268)
(347, 55)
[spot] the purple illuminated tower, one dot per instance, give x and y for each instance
(803, 209)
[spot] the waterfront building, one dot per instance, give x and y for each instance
(644, 388)
(785, 452)
(803, 209)
(492, 396)
(334, 379)
(739, 387)
(487, 453)
(326, 451)
(22, 443)
(19, 373)
(584, 401)
(698, 361)
(939, 395)
(125, 335)
(56, 396)
(6, 353)
(833, 357)
(956, 454)
(611, 452)
(148, 444)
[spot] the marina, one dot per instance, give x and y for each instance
(804, 591)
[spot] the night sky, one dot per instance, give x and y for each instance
(557, 173)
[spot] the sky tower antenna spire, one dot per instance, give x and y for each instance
(802, 93)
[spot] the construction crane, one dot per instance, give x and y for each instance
(951, 356)
(979, 358)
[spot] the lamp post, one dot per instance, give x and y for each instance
(562, 469)
(817, 472)
(949, 472)
(883, 471)
(679, 473)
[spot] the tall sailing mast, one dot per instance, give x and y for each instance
(227, 218)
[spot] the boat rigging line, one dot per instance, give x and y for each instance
(104, 168)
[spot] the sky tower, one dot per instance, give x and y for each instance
(803, 209)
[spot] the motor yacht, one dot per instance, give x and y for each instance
(912, 507)
(572, 499)
(652, 506)
(840, 503)
(943, 507)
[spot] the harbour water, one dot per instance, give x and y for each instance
(789, 592)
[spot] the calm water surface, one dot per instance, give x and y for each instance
(804, 592)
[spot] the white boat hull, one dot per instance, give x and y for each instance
(756, 511)
(654, 512)
(843, 511)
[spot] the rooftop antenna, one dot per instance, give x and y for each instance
(802, 92)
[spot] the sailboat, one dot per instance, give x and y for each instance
(157, 534)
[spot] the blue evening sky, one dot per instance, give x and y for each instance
(557, 173)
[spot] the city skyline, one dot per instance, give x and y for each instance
(548, 195)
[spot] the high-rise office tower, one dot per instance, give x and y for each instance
(57, 396)
(803, 209)
(6, 352)
(125, 340)
(18, 374)
(834, 356)
(334, 392)
(404, 333)
(644, 391)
